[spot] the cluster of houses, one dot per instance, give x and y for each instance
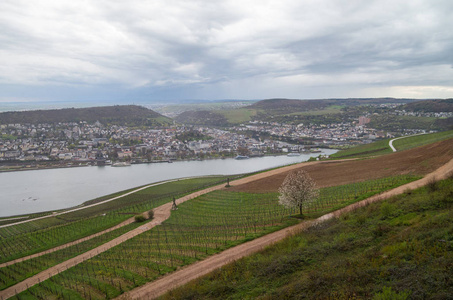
(80, 141)
(88, 142)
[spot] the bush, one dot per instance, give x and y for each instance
(151, 214)
(386, 210)
(140, 218)
(432, 185)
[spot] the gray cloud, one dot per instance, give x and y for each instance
(224, 49)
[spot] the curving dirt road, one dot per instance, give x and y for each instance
(161, 213)
(401, 137)
(159, 287)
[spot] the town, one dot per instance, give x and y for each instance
(83, 143)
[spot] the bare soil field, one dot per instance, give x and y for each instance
(417, 161)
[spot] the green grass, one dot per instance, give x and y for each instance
(401, 248)
(382, 147)
(237, 116)
(361, 151)
(199, 228)
(420, 140)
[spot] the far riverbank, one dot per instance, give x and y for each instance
(17, 165)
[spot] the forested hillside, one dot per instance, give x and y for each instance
(131, 115)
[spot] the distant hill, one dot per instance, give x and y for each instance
(131, 115)
(203, 117)
(443, 105)
(289, 105)
(305, 105)
(284, 111)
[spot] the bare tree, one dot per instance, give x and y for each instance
(297, 190)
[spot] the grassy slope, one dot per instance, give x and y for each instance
(237, 116)
(376, 148)
(415, 141)
(400, 247)
(382, 146)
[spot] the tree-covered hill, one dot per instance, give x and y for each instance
(442, 105)
(131, 115)
(289, 105)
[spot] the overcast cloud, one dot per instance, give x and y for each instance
(156, 50)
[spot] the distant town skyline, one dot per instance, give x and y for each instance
(135, 51)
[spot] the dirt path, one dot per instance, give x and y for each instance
(191, 272)
(401, 137)
(161, 213)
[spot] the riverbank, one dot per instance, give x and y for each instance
(13, 166)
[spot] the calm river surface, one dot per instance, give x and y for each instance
(26, 192)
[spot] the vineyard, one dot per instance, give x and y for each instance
(39, 235)
(17, 272)
(200, 227)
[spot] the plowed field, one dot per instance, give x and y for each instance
(417, 161)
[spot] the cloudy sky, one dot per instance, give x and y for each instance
(59, 50)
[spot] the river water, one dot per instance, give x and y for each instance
(26, 192)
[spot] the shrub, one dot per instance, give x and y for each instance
(151, 214)
(140, 218)
(386, 210)
(432, 184)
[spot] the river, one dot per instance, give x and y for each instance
(25, 192)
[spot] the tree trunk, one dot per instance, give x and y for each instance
(300, 209)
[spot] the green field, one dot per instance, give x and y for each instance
(366, 150)
(237, 116)
(382, 147)
(401, 248)
(200, 227)
(420, 140)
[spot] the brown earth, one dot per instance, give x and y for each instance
(417, 161)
